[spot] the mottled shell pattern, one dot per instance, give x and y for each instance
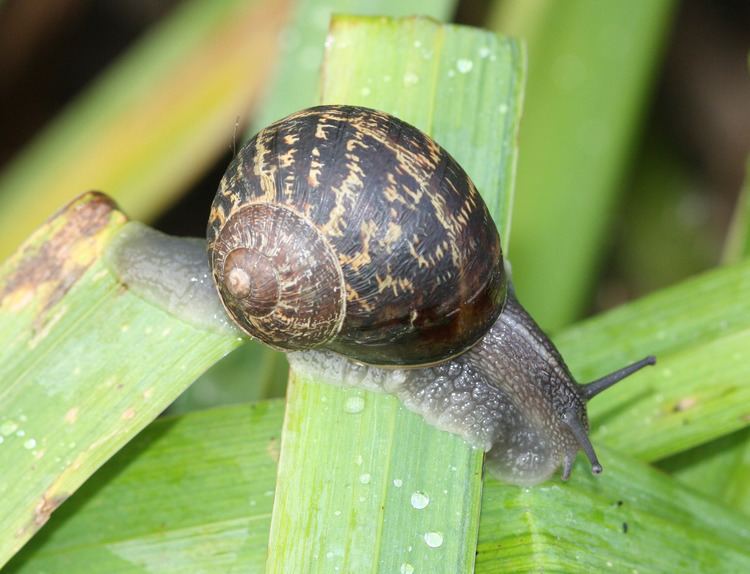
(343, 227)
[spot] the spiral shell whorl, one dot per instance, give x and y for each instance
(278, 277)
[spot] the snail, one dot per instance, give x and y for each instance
(354, 242)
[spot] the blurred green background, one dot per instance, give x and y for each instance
(636, 127)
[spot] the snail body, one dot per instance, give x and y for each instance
(355, 242)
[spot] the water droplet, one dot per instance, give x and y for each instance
(502, 108)
(417, 44)
(484, 51)
(358, 459)
(407, 568)
(410, 78)
(398, 483)
(354, 405)
(365, 478)
(21, 433)
(29, 444)
(365, 91)
(464, 66)
(8, 428)
(419, 500)
(433, 539)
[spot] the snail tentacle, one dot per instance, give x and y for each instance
(590, 390)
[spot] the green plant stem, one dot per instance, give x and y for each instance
(363, 484)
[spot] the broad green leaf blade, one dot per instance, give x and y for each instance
(694, 395)
(130, 517)
(590, 68)
(720, 468)
(153, 121)
(629, 519)
(297, 79)
(365, 485)
(84, 364)
(188, 494)
(700, 388)
(352, 484)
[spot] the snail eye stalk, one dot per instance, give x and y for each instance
(590, 390)
(573, 422)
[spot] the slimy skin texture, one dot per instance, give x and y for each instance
(170, 272)
(484, 396)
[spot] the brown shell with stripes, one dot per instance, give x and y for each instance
(346, 228)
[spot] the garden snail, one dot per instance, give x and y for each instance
(341, 231)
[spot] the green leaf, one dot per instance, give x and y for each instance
(297, 80)
(84, 364)
(188, 494)
(590, 68)
(700, 388)
(629, 519)
(153, 122)
(719, 468)
(194, 493)
(356, 468)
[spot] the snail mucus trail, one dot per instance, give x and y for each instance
(353, 241)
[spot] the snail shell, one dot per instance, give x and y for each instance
(343, 227)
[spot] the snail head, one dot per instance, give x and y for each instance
(575, 419)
